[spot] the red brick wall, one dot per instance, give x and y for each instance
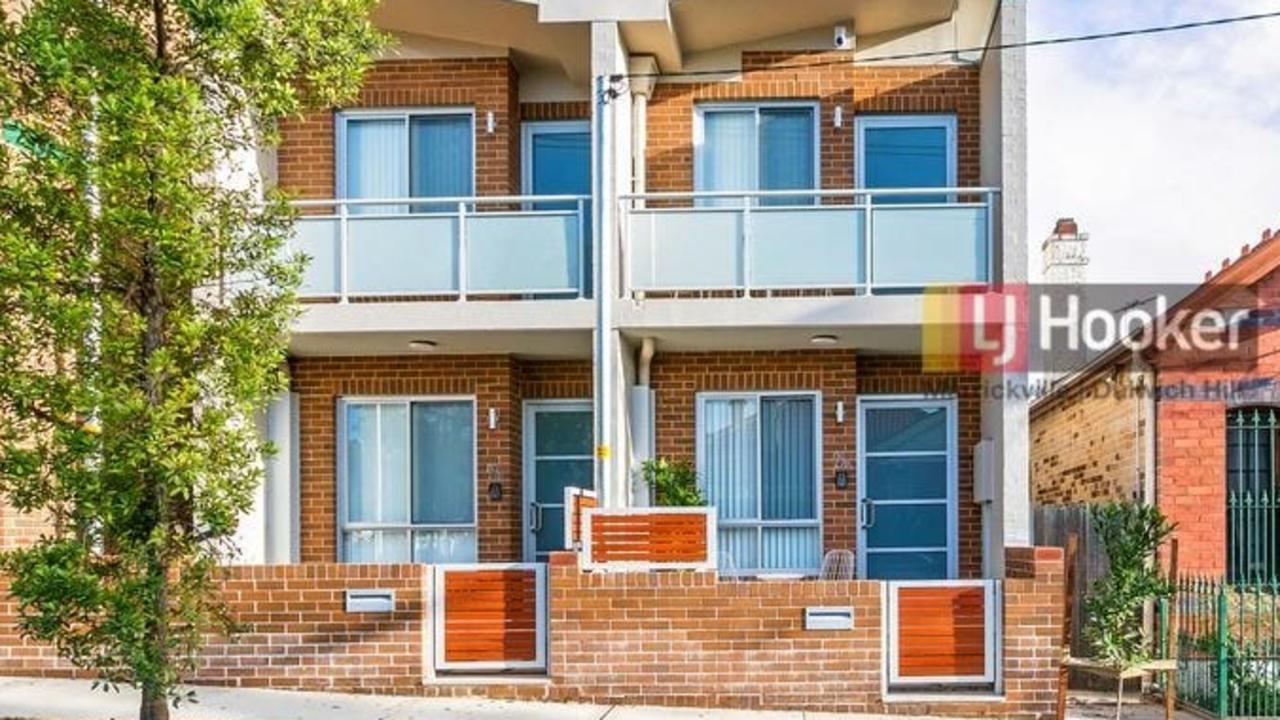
(686, 638)
(19, 529)
(306, 155)
(298, 635)
(1191, 434)
(840, 375)
(1033, 615)
(496, 381)
(562, 110)
(654, 638)
(858, 89)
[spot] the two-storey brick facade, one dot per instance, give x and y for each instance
(549, 242)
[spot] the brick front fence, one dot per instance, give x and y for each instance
(678, 637)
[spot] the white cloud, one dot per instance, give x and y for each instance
(1166, 149)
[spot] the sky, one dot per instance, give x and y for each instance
(1166, 149)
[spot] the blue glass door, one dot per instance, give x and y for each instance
(906, 489)
(558, 158)
(558, 454)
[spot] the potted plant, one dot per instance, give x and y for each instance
(674, 482)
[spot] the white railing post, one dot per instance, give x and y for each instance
(343, 252)
(746, 246)
(462, 251)
(990, 197)
(868, 231)
(582, 249)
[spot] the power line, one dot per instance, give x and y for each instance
(1063, 40)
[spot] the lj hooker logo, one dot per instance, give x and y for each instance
(975, 331)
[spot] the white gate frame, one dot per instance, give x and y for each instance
(991, 626)
(540, 617)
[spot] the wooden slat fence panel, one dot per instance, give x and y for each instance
(576, 500)
(490, 617)
(942, 632)
(649, 537)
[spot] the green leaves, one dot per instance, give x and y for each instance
(145, 302)
(1131, 533)
(674, 482)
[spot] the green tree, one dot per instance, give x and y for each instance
(1131, 533)
(145, 302)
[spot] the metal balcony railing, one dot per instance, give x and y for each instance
(450, 248)
(864, 241)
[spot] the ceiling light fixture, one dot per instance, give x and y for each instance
(823, 340)
(422, 345)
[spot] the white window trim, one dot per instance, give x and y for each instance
(861, 123)
(759, 523)
(527, 493)
(542, 127)
(340, 138)
(949, 404)
(343, 526)
(699, 137)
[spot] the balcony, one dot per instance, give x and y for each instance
(741, 244)
(403, 249)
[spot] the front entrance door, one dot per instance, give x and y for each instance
(557, 454)
(907, 488)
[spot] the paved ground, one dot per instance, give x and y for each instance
(73, 700)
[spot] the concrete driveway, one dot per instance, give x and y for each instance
(74, 700)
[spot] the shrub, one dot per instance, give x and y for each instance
(1130, 533)
(674, 482)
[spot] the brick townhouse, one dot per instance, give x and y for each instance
(551, 240)
(1192, 433)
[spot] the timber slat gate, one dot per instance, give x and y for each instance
(490, 617)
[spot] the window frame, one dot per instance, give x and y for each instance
(699, 138)
(759, 523)
(342, 117)
(344, 526)
(950, 404)
(863, 122)
(1233, 553)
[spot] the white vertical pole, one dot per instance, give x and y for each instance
(603, 332)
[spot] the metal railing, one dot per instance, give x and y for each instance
(1228, 646)
(451, 247)
(860, 240)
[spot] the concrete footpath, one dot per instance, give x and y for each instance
(32, 699)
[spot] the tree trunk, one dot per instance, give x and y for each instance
(155, 705)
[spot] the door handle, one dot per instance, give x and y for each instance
(868, 513)
(535, 516)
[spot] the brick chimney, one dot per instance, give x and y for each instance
(1064, 254)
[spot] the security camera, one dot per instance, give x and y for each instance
(842, 38)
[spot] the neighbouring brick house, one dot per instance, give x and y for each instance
(1191, 433)
(547, 245)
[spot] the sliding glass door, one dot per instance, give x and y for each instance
(758, 464)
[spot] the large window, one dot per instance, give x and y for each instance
(1253, 510)
(906, 151)
(407, 480)
(758, 464)
(396, 154)
(756, 147)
